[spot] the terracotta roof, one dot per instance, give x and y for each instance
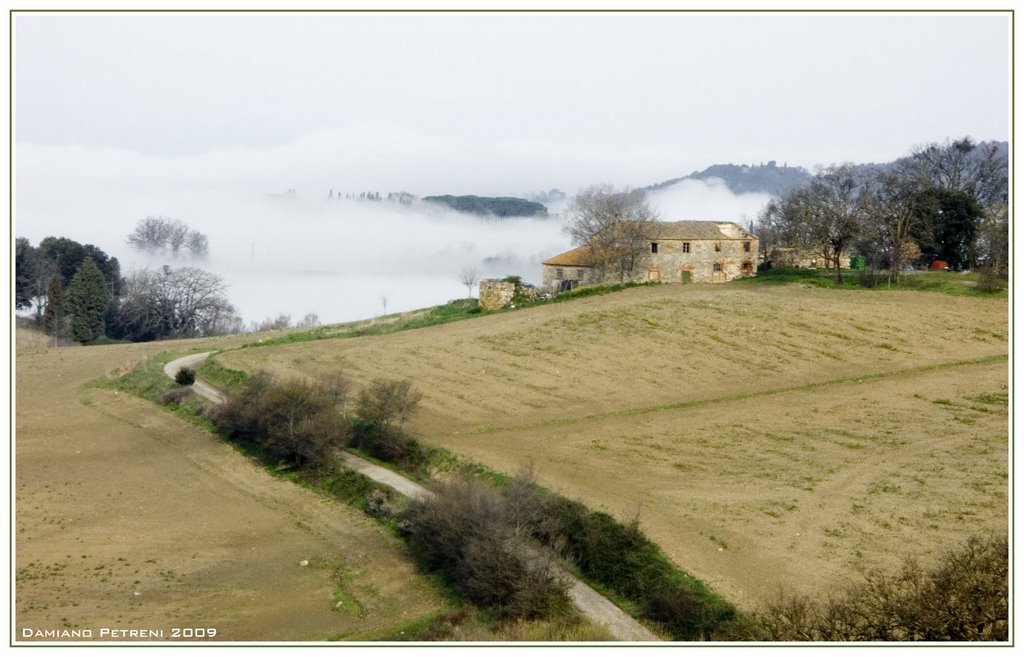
(578, 257)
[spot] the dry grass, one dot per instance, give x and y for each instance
(768, 436)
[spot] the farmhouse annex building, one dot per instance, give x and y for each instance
(673, 252)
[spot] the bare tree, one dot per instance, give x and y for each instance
(387, 401)
(962, 166)
(163, 235)
(617, 226)
(311, 320)
(891, 215)
(176, 303)
(197, 244)
(825, 216)
(151, 233)
(994, 242)
(470, 277)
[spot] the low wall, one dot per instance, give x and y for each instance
(496, 294)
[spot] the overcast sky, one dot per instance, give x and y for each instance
(200, 117)
(503, 103)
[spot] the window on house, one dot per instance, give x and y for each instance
(579, 274)
(686, 247)
(654, 247)
(746, 247)
(718, 247)
(717, 266)
(559, 273)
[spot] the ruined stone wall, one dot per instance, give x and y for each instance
(496, 294)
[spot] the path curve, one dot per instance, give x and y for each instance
(589, 602)
(201, 387)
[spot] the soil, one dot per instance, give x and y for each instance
(130, 519)
(768, 437)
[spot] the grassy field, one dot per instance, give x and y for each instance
(767, 435)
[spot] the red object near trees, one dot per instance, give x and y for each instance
(939, 264)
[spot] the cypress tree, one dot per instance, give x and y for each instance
(87, 302)
(54, 300)
(53, 316)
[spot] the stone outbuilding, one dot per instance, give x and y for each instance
(674, 252)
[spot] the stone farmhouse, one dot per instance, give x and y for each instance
(674, 252)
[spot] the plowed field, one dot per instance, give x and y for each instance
(129, 519)
(767, 436)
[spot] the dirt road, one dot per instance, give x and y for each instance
(589, 602)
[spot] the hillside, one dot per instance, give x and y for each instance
(732, 418)
(743, 179)
(496, 206)
(130, 517)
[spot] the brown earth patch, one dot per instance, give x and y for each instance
(128, 517)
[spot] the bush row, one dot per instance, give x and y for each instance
(622, 559)
(963, 598)
(299, 422)
(468, 533)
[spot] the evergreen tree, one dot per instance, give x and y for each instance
(53, 316)
(87, 302)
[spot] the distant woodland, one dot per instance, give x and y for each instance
(498, 206)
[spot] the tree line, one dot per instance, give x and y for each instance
(942, 202)
(78, 292)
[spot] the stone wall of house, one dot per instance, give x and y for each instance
(552, 276)
(496, 294)
(736, 259)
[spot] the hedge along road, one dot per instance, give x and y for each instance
(589, 602)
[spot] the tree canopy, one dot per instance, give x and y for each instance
(168, 236)
(87, 303)
(175, 303)
(500, 206)
(941, 202)
(617, 226)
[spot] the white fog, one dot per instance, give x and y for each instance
(314, 251)
(203, 117)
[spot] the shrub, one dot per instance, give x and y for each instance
(868, 278)
(620, 557)
(380, 504)
(177, 396)
(989, 280)
(186, 376)
(464, 532)
(295, 421)
(963, 598)
(386, 401)
(389, 444)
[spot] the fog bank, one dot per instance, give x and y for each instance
(314, 250)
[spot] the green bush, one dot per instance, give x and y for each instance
(620, 557)
(186, 376)
(389, 444)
